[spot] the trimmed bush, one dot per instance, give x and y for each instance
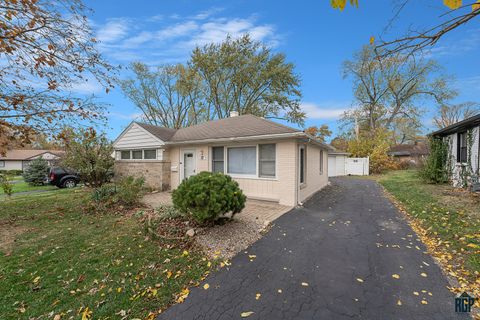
(36, 173)
(207, 196)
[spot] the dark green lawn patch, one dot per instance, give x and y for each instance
(22, 186)
(64, 260)
(451, 234)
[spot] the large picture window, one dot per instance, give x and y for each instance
(218, 163)
(242, 160)
(462, 147)
(266, 160)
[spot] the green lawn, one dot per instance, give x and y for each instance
(453, 234)
(23, 186)
(64, 261)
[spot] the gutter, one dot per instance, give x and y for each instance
(298, 134)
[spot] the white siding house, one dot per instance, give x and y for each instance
(464, 147)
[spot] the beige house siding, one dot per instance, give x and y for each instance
(281, 188)
(11, 165)
(136, 137)
(315, 178)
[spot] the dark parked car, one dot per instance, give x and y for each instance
(63, 178)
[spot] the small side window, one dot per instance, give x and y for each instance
(125, 155)
(137, 154)
(150, 154)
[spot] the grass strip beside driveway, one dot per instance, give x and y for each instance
(452, 236)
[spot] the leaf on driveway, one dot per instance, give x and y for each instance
(279, 290)
(359, 280)
(415, 293)
(206, 286)
(395, 276)
(304, 284)
(399, 303)
(424, 302)
(423, 274)
(257, 296)
(246, 314)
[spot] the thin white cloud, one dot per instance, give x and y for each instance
(169, 39)
(329, 111)
(124, 116)
(113, 30)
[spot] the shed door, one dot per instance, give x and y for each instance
(356, 166)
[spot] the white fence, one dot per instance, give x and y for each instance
(357, 166)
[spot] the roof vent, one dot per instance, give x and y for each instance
(233, 114)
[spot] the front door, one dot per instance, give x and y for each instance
(188, 163)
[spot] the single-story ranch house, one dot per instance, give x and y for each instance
(19, 159)
(464, 143)
(270, 161)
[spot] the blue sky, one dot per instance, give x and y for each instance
(315, 37)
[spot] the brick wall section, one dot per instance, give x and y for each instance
(156, 173)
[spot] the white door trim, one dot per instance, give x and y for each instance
(182, 160)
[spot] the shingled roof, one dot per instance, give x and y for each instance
(25, 154)
(164, 134)
(228, 128)
(239, 126)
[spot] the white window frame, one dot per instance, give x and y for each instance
(224, 158)
(302, 147)
(143, 154)
(256, 176)
(240, 175)
(321, 161)
(258, 161)
(130, 151)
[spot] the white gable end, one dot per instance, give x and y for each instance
(135, 137)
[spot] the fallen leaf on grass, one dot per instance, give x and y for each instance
(246, 314)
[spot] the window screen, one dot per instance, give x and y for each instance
(218, 163)
(242, 160)
(137, 154)
(266, 160)
(150, 154)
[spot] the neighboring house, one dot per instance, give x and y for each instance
(270, 161)
(19, 159)
(337, 163)
(410, 153)
(463, 138)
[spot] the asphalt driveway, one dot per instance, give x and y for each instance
(347, 254)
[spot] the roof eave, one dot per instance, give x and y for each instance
(238, 139)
